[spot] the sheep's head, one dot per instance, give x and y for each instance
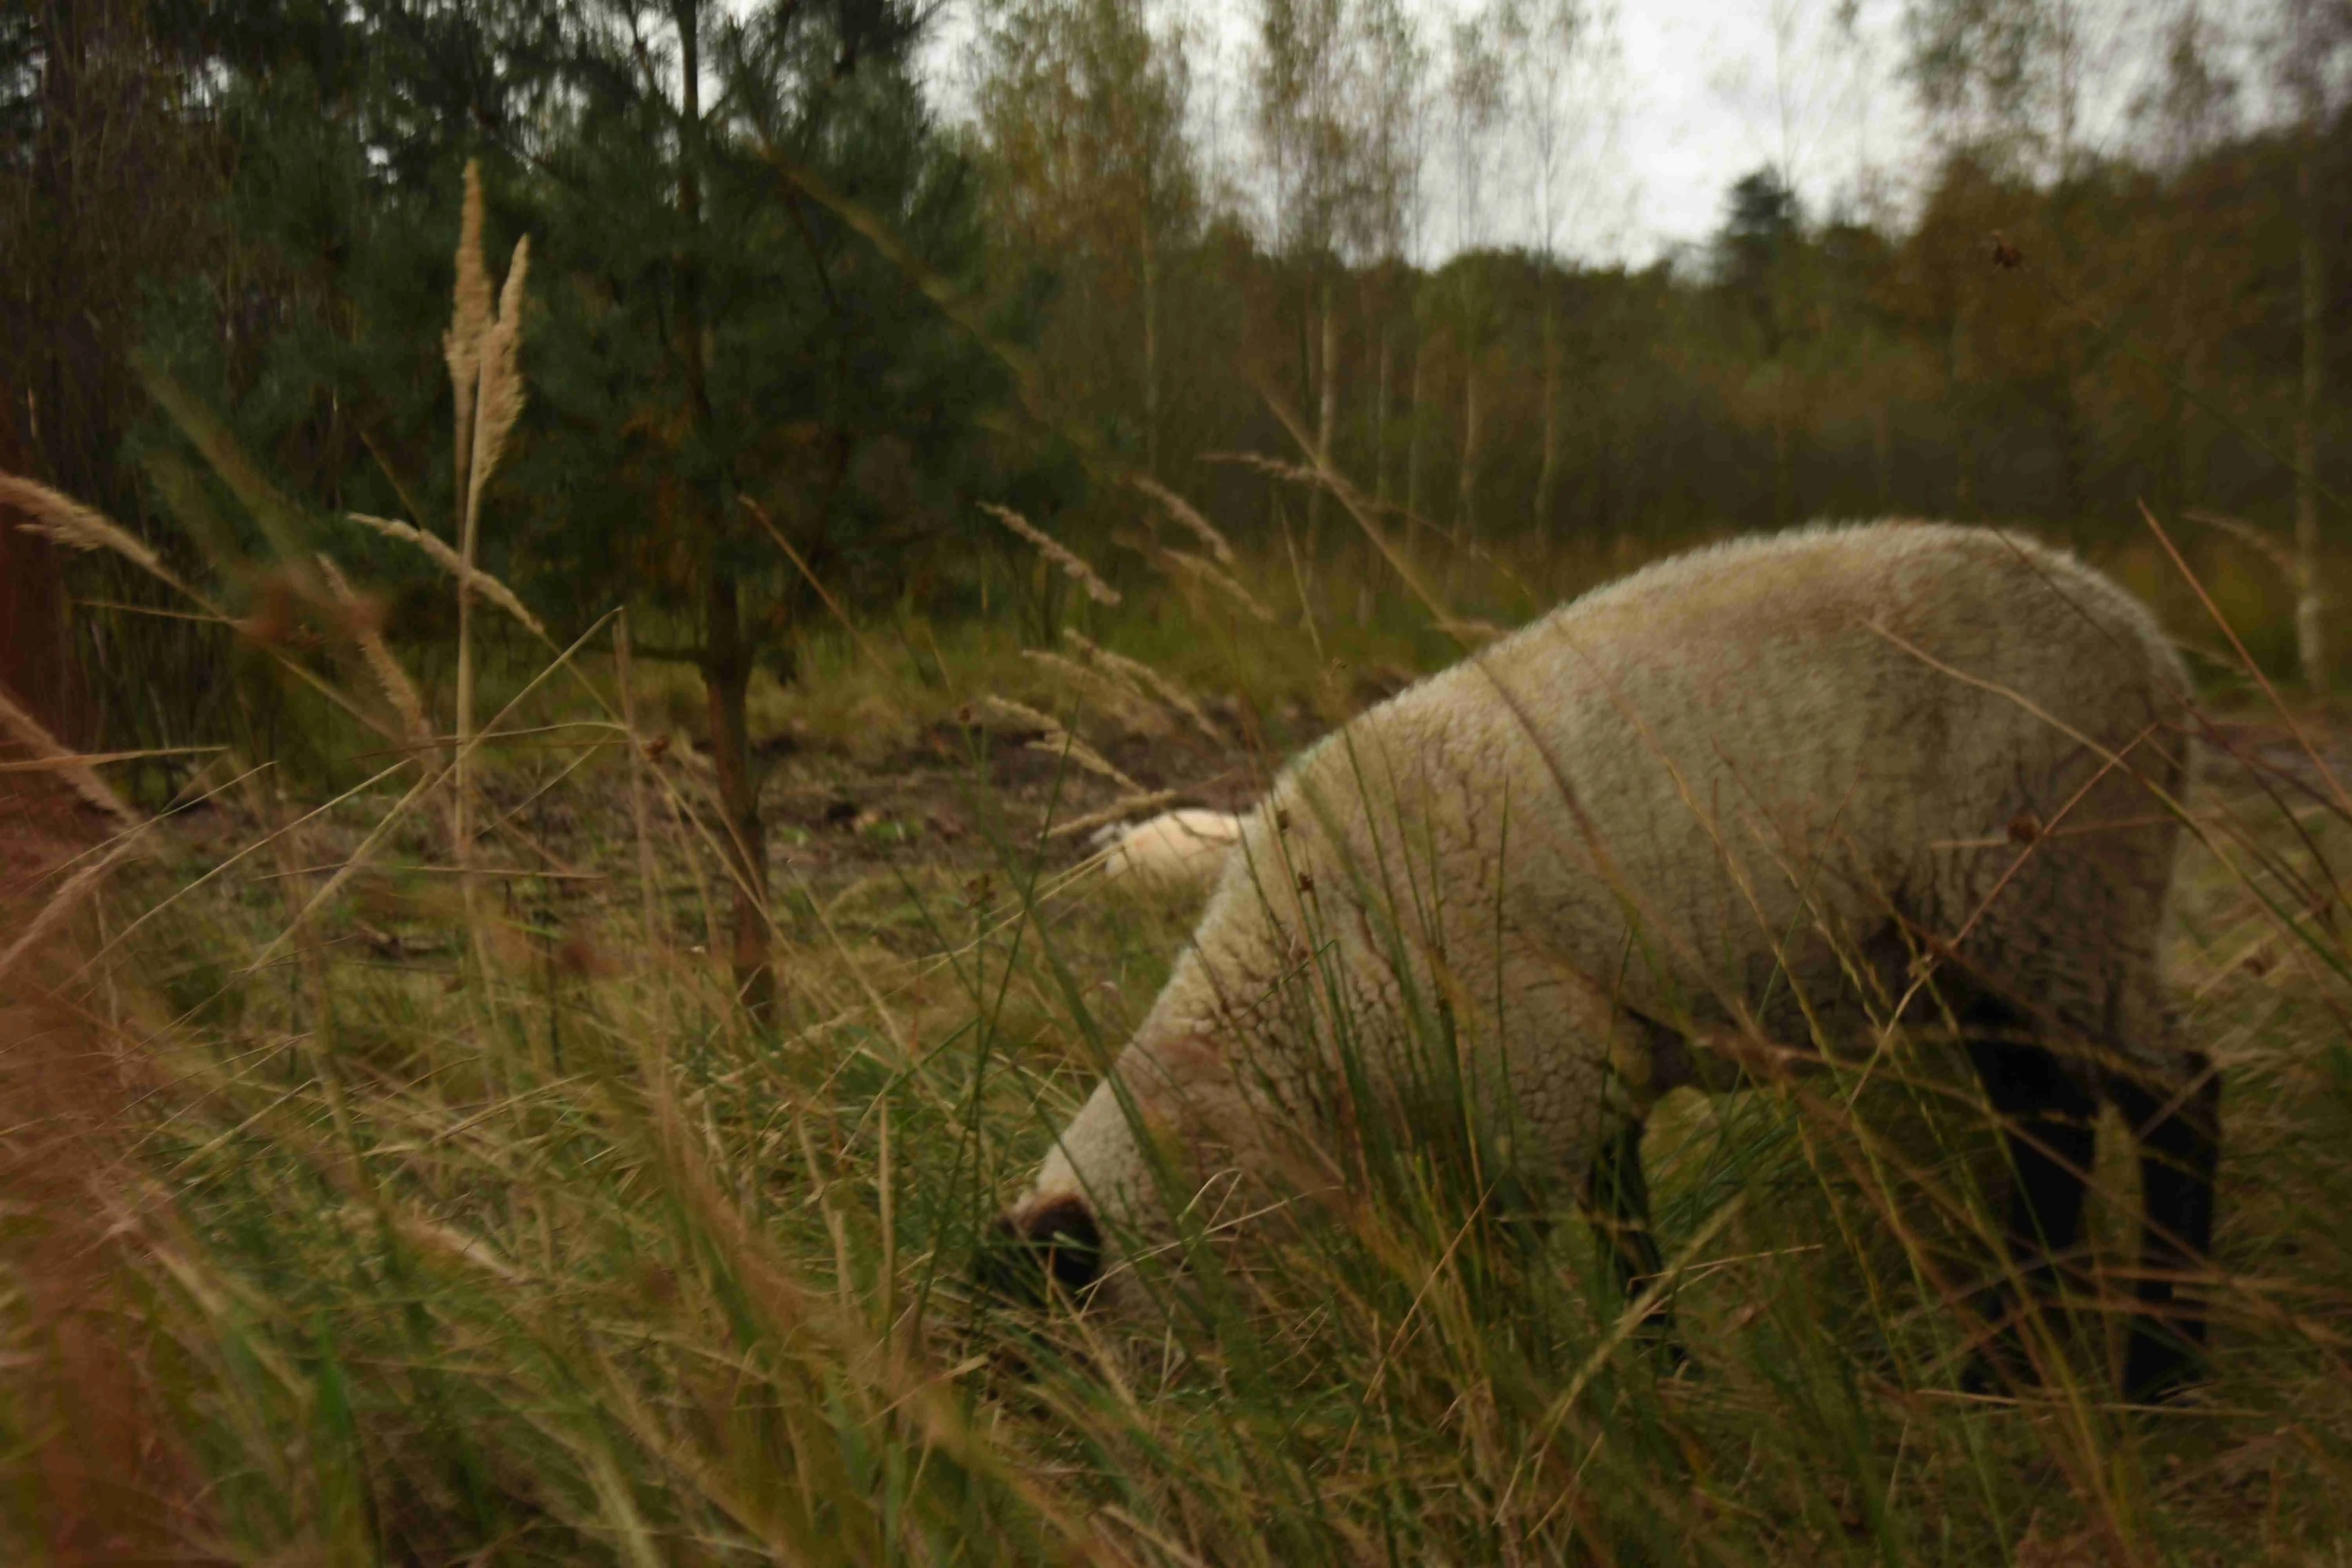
(1160, 1124)
(1046, 1243)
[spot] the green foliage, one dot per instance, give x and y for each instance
(680, 360)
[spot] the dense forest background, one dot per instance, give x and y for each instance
(772, 291)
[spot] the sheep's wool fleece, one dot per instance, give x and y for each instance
(1674, 804)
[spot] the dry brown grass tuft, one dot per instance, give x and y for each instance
(438, 551)
(78, 527)
(99, 1472)
(1129, 706)
(1182, 510)
(1051, 739)
(1203, 569)
(366, 630)
(469, 321)
(1145, 678)
(19, 724)
(1073, 565)
(501, 399)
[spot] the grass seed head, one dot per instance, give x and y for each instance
(1073, 566)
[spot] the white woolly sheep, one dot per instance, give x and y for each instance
(1756, 801)
(1175, 849)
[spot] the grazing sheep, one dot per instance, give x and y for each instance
(1175, 849)
(1753, 802)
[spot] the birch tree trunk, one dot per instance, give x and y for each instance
(1150, 349)
(2310, 599)
(1548, 476)
(1465, 501)
(1882, 450)
(1784, 480)
(1327, 418)
(1416, 452)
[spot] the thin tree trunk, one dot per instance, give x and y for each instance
(1882, 449)
(1150, 351)
(2073, 462)
(1964, 498)
(1965, 490)
(727, 681)
(727, 656)
(2192, 478)
(2310, 600)
(1383, 413)
(1548, 476)
(2174, 477)
(1326, 419)
(1465, 501)
(1784, 485)
(1416, 453)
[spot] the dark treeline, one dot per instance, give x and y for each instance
(245, 214)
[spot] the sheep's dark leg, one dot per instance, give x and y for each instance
(2180, 1133)
(1617, 1200)
(2048, 1122)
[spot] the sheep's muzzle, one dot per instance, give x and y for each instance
(1029, 1253)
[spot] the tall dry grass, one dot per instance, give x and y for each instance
(569, 1266)
(441, 1232)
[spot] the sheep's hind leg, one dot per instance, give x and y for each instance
(2180, 1133)
(2048, 1123)
(1617, 1202)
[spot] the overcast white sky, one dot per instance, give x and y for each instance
(1706, 91)
(1716, 87)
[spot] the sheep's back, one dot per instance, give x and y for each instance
(1708, 785)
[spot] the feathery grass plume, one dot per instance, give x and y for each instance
(1182, 510)
(1142, 675)
(2271, 549)
(469, 321)
(77, 527)
(1053, 549)
(1217, 577)
(1058, 741)
(17, 723)
(58, 908)
(1272, 467)
(68, 522)
(1349, 497)
(398, 690)
(482, 352)
(1132, 707)
(449, 561)
(501, 402)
